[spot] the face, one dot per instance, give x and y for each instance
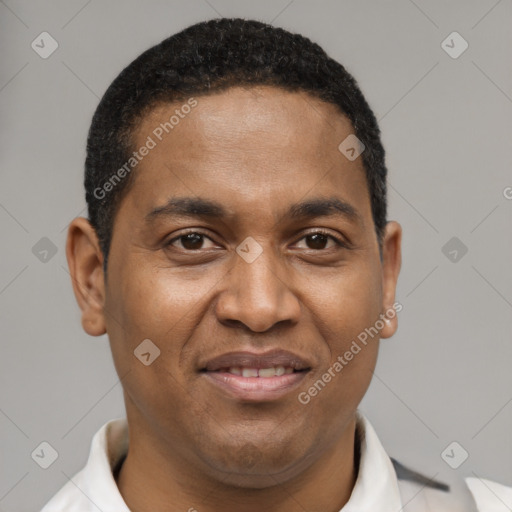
(245, 250)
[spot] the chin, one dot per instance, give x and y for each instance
(254, 466)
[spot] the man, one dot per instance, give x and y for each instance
(238, 255)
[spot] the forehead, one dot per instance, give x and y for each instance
(239, 116)
(258, 143)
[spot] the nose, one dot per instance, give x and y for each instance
(258, 294)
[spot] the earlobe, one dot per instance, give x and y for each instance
(85, 261)
(391, 263)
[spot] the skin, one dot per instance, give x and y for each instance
(256, 152)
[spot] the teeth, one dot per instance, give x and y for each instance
(262, 372)
(267, 372)
(280, 370)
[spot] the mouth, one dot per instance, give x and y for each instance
(252, 377)
(264, 373)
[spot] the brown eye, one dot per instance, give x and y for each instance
(192, 241)
(319, 241)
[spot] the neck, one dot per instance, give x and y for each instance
(147, 480)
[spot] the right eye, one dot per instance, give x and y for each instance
(191, 241)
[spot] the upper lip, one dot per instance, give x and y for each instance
(261, 360)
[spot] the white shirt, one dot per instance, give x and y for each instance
(377, 488)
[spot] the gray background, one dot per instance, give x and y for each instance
(446, 125)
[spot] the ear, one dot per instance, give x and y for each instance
(391, 262)
(85, 261)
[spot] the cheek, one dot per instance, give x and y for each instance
(347, 304)
(164, 306)
(155, 303)
(345, 314)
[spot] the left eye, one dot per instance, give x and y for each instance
(318, 240)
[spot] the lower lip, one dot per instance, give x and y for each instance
(255, 389)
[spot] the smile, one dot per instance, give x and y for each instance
(256, 377)
(256, 385)
(273, 371)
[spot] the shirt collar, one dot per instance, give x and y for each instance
(376, 488)
(490, 496)
(108, 445)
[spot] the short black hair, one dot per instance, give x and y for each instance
(208, 57)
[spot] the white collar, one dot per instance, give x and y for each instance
(94, 487)
(376, 488)
(490, 496)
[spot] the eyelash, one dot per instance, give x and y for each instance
(338, 241)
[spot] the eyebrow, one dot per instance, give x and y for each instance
(207, 209)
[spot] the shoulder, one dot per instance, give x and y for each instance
(69, 497)
(420, 493)
(94, 487)
(490, 495)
